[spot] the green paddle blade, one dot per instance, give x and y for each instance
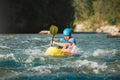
(53, 30)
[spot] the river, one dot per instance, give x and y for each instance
(22, 58)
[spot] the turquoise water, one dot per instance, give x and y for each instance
(22, 58)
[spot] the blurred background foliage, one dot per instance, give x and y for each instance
(97, 13)
(32, 16)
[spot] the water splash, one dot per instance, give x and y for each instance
(103, 52)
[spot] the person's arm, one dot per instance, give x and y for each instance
(62, 44)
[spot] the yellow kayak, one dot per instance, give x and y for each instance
(53, 51)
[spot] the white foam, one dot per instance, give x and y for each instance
(4, 47)
(102, 52)
(30, 59)
(36, 38)
(91, 65)
(35, 53)
(24, 42)
(1, 56)
(6, 56)
(86, 54)
(41, 69)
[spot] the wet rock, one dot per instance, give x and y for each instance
(79, 28)
(82, 28)
(115, 34)
(112, 31)
(44, 32)
(107, 29)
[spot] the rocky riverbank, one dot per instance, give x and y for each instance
(112, 31)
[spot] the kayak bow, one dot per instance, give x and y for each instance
(53, 51)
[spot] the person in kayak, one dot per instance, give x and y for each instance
(68, 43)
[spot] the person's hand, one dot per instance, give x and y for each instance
(52, 42)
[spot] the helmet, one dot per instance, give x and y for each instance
(67, 32)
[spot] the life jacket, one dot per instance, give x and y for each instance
(70, 49)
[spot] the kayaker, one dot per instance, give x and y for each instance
(68, 43)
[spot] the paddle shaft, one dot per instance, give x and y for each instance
(52, 40)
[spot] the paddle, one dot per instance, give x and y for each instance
(53, 31)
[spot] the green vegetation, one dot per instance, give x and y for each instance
(96, 13)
